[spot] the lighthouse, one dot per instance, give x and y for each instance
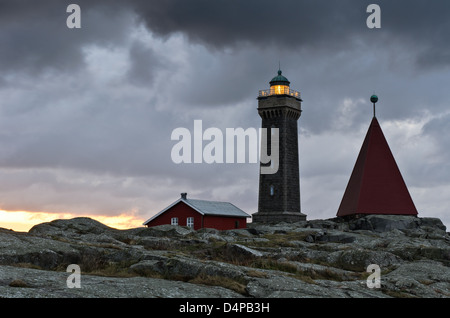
(279, 193)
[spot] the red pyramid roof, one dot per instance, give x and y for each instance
(376, 185)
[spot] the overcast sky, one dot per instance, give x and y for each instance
(86, 115)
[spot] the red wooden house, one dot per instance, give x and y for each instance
(199, 214)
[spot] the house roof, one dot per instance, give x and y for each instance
(207, 208)
(376, 185)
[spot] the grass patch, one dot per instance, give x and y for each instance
(236, 285)
(398, 294)
(19, 283)
(325, 274)
(27, 265)
(100, 267)
(274, 265)
(112, 270)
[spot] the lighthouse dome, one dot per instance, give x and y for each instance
(279, 80)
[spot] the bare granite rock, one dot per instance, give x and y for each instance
(50, 284)
(316, 258)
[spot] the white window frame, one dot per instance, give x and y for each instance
(174, 221)
(190, 222)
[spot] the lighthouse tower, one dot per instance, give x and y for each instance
(279, 193)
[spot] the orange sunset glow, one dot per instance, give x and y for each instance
(23, 221)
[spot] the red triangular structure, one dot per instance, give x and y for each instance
(376, 185)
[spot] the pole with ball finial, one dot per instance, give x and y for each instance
(374, 99)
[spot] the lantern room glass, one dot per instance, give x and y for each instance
(279, 90)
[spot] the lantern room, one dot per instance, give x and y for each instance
(279, 85)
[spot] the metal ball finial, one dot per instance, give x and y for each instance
(374, 99)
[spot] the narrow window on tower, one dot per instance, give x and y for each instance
(272, 130)
(272, 190)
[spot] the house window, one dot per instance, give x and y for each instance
(190, 222)
(236, 224)
(272, 190)
(174, 221)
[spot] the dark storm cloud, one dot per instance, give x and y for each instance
(34, 36)
(422, 26)
(223, 23)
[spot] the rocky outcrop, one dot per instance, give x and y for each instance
(317, 258)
